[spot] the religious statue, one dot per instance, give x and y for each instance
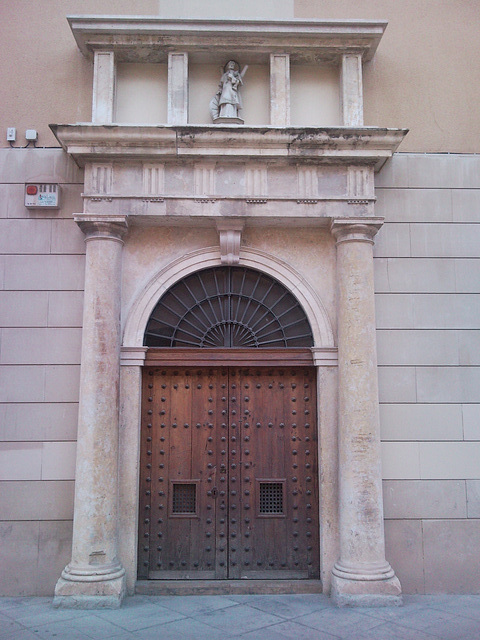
(226, 103)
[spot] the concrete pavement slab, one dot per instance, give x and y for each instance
(274, 617)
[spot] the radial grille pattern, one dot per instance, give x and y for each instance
(228, 307)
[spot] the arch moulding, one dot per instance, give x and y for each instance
(145, 302)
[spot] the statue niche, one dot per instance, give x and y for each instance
(227, 102)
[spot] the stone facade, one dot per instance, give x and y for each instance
(150, 217)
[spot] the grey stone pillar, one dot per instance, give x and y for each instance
(361, 576)
(177, 88)
(352, 90)
(103, 87)
(95, 577)
(280, 89)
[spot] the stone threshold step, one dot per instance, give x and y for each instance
(225, 587)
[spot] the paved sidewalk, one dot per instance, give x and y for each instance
(281, 617)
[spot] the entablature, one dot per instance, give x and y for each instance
(150, 39)
(266, 175)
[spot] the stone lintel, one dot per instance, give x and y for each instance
(256, 211)
(149, 39)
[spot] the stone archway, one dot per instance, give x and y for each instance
(133, 360)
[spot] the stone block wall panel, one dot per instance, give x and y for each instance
(44, 548)
(473, 498)
(38, 421)
(41, 302)
(413, 422)
(451, 558)
(37, 500)
(428, 317)
(417, 499)
(404, 551)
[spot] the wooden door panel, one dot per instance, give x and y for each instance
(278, 453)
(184, 450)
(228, 473)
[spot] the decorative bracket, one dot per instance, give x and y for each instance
(230, 232)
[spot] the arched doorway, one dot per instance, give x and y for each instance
(228, 472)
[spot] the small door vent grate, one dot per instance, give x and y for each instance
(271, 498)
(184, 499)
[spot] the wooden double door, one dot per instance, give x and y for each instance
(229, 475)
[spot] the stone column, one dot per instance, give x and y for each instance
(352, 90)
(103, 87)
(95, 577)
(280, 89)
(361, 576)
(177, 88)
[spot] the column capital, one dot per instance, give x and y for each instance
(325, 357)
(102, 227)
(133, 356)
(355, 229)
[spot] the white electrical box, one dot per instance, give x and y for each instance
(42, 196)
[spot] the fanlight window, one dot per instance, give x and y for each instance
(228, 307)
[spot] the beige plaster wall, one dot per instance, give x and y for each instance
(426, 73)
(141, 93)
(45, 78)
(315, 96)
(274, 9)
(425, 76)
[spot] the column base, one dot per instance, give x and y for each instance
(359, 590)
(90, 591)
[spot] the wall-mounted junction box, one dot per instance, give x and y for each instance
(42, 196)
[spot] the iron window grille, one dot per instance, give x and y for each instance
(228, 307)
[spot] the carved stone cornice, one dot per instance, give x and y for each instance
(149, 39)
(356, 229)
(332, 145)
(102, 227)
